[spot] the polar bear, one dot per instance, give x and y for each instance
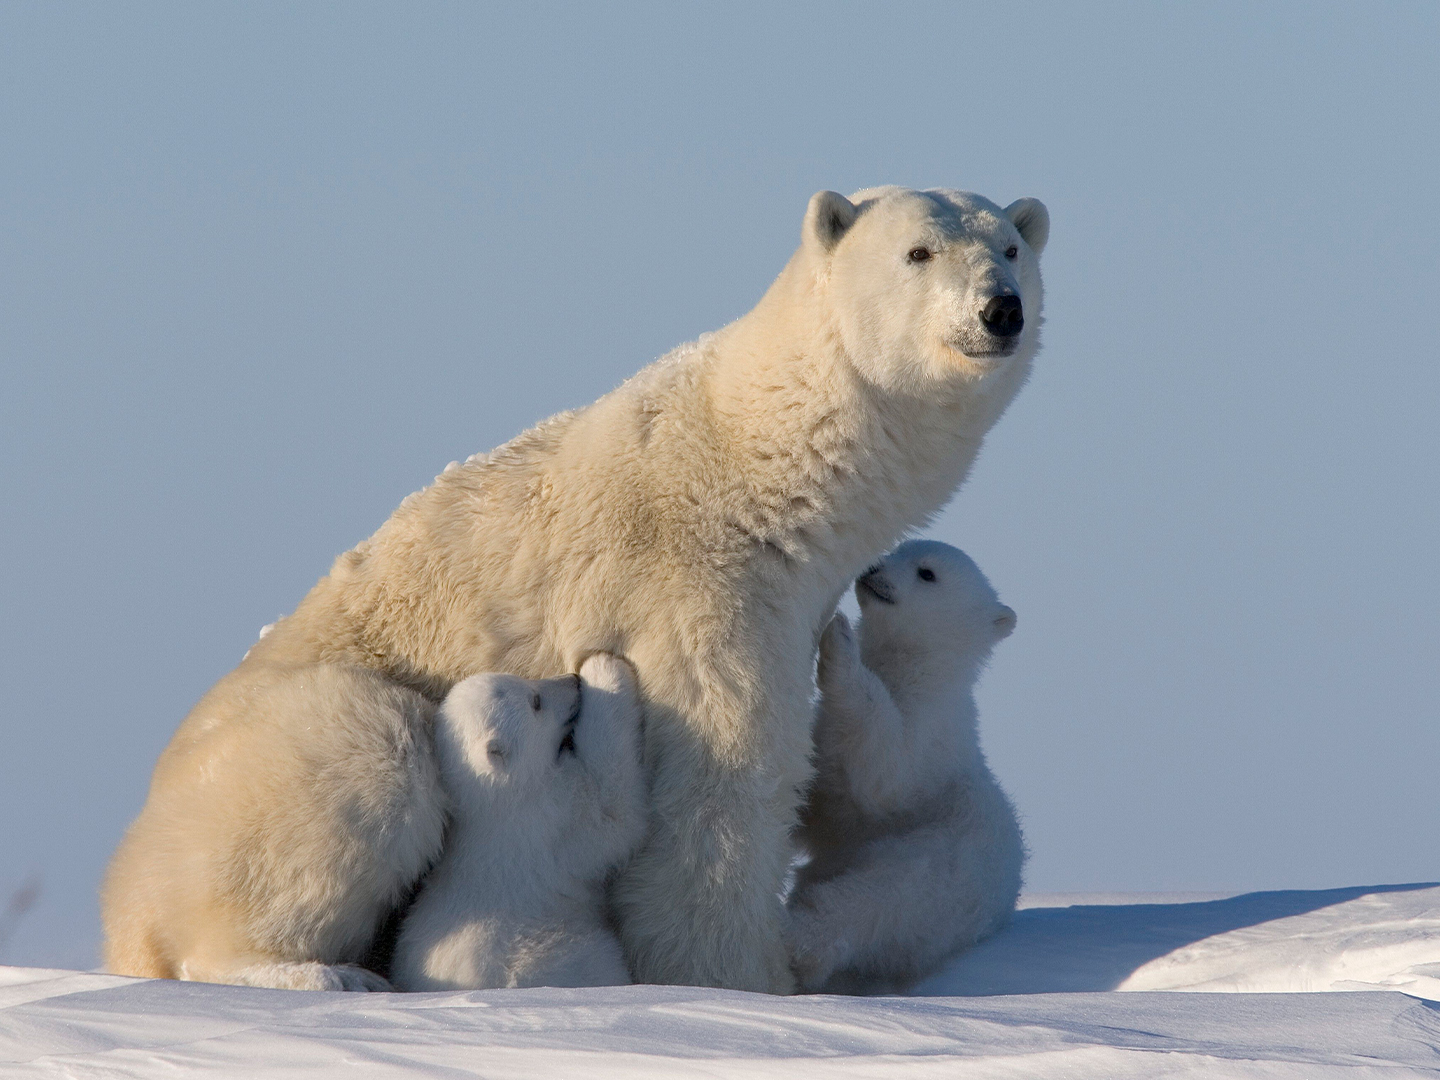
(701, 520)
(915, 851)
(547, 799)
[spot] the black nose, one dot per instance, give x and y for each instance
(1003, 316)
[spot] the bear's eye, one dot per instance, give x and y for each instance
(536, 703)
(1011, 251)
(926, 574)
(919, 254)
(496, 750)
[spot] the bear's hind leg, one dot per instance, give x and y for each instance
(907, 903)
(295, 807)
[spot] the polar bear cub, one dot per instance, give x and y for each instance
(915, 851)
(548, 798)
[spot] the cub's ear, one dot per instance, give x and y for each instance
(1033, 221)
(827, 218)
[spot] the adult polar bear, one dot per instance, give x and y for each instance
(701, 520)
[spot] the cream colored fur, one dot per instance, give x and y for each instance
(915, 851)
(701, 520)
(285, 819)
(537, 825)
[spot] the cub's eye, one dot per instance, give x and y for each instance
(926, 574)
(919, 254)
(1011, 251)
(536, 703)
(567, 745)
(496, 750)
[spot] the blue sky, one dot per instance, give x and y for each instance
(266, 269)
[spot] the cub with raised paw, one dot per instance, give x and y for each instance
(915, 851)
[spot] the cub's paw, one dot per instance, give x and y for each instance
(606, 671)
(839, 650)
(611, 721)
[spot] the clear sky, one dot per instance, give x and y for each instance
(266, 268)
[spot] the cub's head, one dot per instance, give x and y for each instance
(929, 600)
(929, 287)
(501, 732)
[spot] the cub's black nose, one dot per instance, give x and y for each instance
(1003, 316)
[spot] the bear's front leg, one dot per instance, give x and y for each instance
(699, 904)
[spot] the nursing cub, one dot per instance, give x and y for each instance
(548, 798)
(915, 851)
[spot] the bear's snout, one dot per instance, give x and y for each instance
(1003, 316)
(557, 700)
(875, 584)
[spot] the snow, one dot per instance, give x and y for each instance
(1076, 988)
(1383, 937)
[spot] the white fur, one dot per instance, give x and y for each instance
(517, 899)
(701, 520)
(915, 851)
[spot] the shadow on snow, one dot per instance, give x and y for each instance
(1087, 947)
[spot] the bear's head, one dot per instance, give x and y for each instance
(929, 601)
(929, 287)
(499, 733)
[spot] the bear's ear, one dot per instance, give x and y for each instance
(1033, 221)
(827, 218)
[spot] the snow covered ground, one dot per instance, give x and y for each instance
(1038, 1001)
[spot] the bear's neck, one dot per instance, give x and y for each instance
(834, 464)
